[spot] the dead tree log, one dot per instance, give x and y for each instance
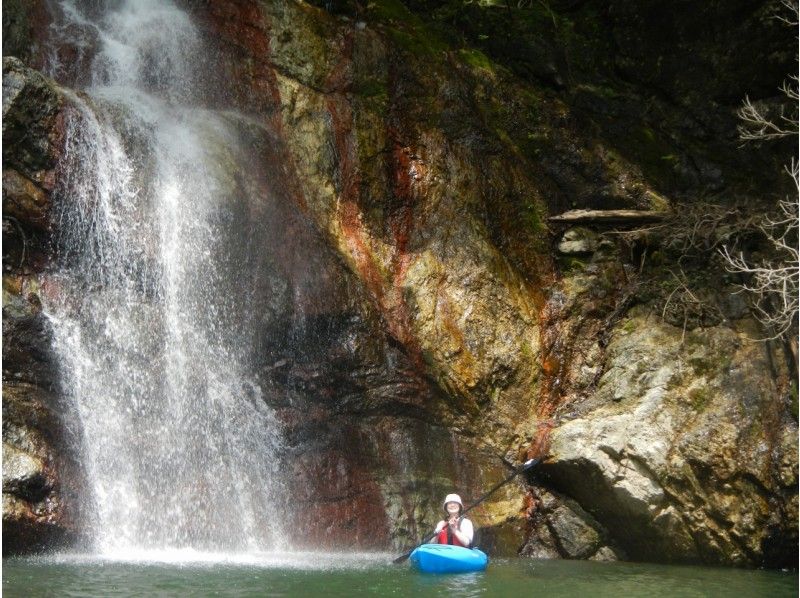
(608, 217)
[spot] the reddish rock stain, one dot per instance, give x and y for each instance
(406, 169)
(348, 189)
(386, 289)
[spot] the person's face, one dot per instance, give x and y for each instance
(452, 508)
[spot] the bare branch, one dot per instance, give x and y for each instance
(774, 283)
(792, 18)
(758, 126)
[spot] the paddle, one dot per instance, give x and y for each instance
(524, 467)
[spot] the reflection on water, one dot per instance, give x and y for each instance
(465, 585)
(180, 573)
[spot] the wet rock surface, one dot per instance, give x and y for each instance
(41, 480)
(424, 322)
(40, 476)
(25, 23)
(30, 107)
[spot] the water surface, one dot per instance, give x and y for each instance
(304, 574)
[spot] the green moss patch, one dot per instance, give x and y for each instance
(392, 11)
(416, 42)
(571, 264)
(405, 29)
(476, 59)
(373, 92)
(699, 398)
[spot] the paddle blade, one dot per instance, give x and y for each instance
(529, 463)
(404, 557)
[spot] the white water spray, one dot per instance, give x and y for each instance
(153, 316)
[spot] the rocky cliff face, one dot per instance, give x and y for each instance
(40, 477)
(428, 321)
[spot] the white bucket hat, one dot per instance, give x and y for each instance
(452, 498)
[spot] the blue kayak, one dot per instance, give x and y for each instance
(443, 558)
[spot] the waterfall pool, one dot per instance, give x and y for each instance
(348, 574)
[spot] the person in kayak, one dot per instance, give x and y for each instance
(454, 529)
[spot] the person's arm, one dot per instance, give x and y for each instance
(439, 527)
(466, 533)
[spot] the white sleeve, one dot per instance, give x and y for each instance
(468, 530)
(439, 527)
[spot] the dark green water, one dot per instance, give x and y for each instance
(374, 575)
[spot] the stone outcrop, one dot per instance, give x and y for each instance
(562, 529)
(40, 499)
(426, 322)
(674, 437)
(40, 476)
(687, 454)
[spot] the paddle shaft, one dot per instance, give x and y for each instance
(524, 467)
(500, 485)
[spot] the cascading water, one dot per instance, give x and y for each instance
(154, 308)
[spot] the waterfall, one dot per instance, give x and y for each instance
(155, 304)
